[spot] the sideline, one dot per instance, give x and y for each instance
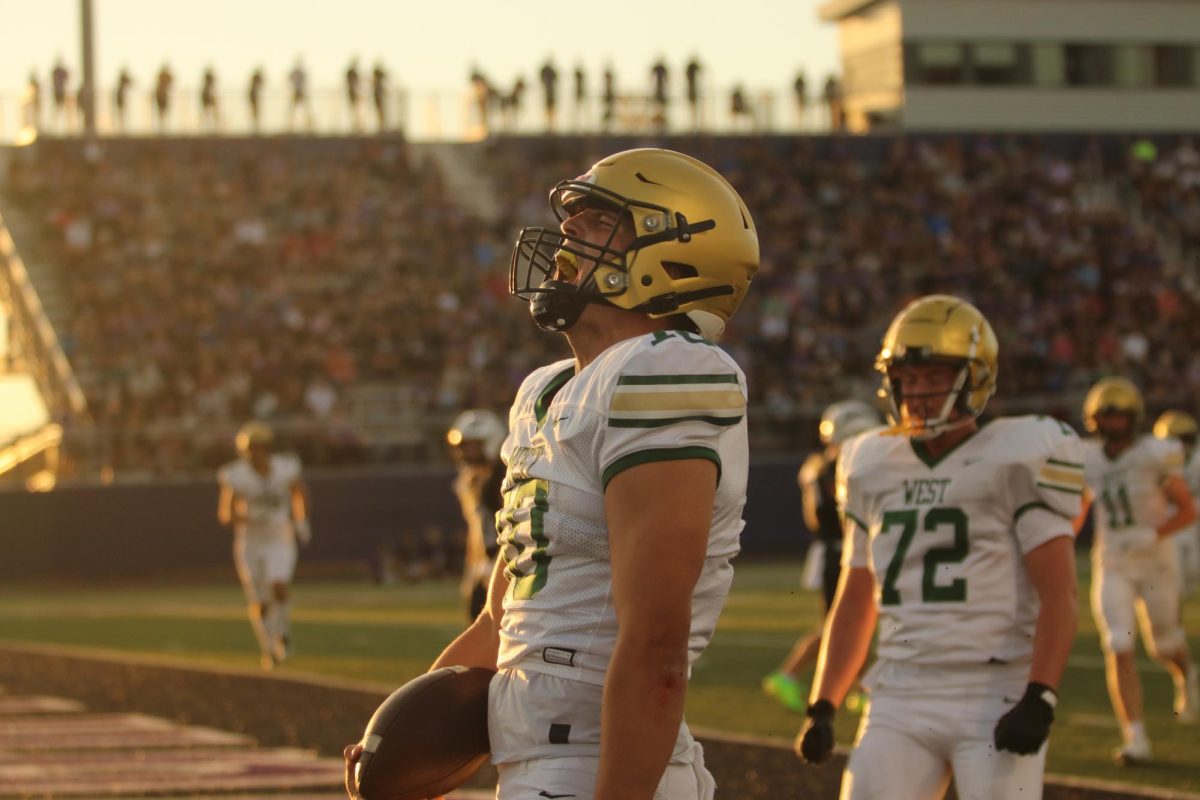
(178, 662)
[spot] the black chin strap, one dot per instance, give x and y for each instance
(560, 304)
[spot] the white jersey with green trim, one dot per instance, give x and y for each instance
(1128, 499)
(945, 538)
(664, 396)
(268, 497)
(1191, 476)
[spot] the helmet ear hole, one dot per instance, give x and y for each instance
(679, 271)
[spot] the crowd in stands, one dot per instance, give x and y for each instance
(213, 282)
(1075, 288)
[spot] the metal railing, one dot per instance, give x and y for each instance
(34, 337)
(420, 115)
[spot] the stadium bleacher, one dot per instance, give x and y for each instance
(340, 287)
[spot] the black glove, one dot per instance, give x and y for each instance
(815, 742)
(1024, 729)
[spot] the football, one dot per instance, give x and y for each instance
(428, 737)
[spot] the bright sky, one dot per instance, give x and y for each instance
(425, 45)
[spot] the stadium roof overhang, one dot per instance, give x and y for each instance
(837, 10)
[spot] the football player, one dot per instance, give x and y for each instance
(264, 499)
(475, 439)
(816, 479)
(958, 541)
(1182, 426)
(1135, 576)
(625, 483)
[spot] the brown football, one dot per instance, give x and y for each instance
(428, 738)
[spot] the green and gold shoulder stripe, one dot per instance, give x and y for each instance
(1063, 476)
(653, 401)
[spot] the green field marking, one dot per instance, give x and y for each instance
(353, 630)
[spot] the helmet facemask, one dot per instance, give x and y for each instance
(542, 253)
(956, 398)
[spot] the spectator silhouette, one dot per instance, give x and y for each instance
(549, 78)
(510, 105)
(354, 96)
(800, 91)
(579, 110)
(298, 78)
(739, 108)
(59, 78)
(121, 98)
(482, 97)
(210, 112)
(832, 95)
(379, 93)
(254, 98)
(692, 73)
(162, 96)
(659, 78)
(33, 102)
(609, 99)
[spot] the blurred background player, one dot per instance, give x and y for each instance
(959, 542)
(1135, 575)
(475, 439)
(264, 499)
(1182, 426)
(839, 422)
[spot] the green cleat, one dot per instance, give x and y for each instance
(791, 693)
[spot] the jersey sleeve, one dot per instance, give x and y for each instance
(293, 467)
(671, 404)
(225, 476)
(1048, 483)
(855, 532)
(1170, 458)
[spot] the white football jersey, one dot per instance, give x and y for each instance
(662, 396)
(1128, 489)
(268, 497)
(946, 538)
(1191, 475)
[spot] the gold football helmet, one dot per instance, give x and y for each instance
(1175, 425)
(480, 425)
(939, 328)
(845, 419)
(1113, 394)
(694, 252)
(252, 434)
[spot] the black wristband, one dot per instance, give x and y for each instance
(1040, 691)
(821, 711)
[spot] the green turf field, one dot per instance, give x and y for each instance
(385, 635)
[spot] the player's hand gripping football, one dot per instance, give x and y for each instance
(1026, 726)
(815, 742)
(352, 753)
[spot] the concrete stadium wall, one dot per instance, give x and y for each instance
(155, 529)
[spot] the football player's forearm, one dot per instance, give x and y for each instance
(846, 640)
(1052, 640)
(1185, 515)
(477, 646)
(1051, 570)
(644, 695)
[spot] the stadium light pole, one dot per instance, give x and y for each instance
(88, 95)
